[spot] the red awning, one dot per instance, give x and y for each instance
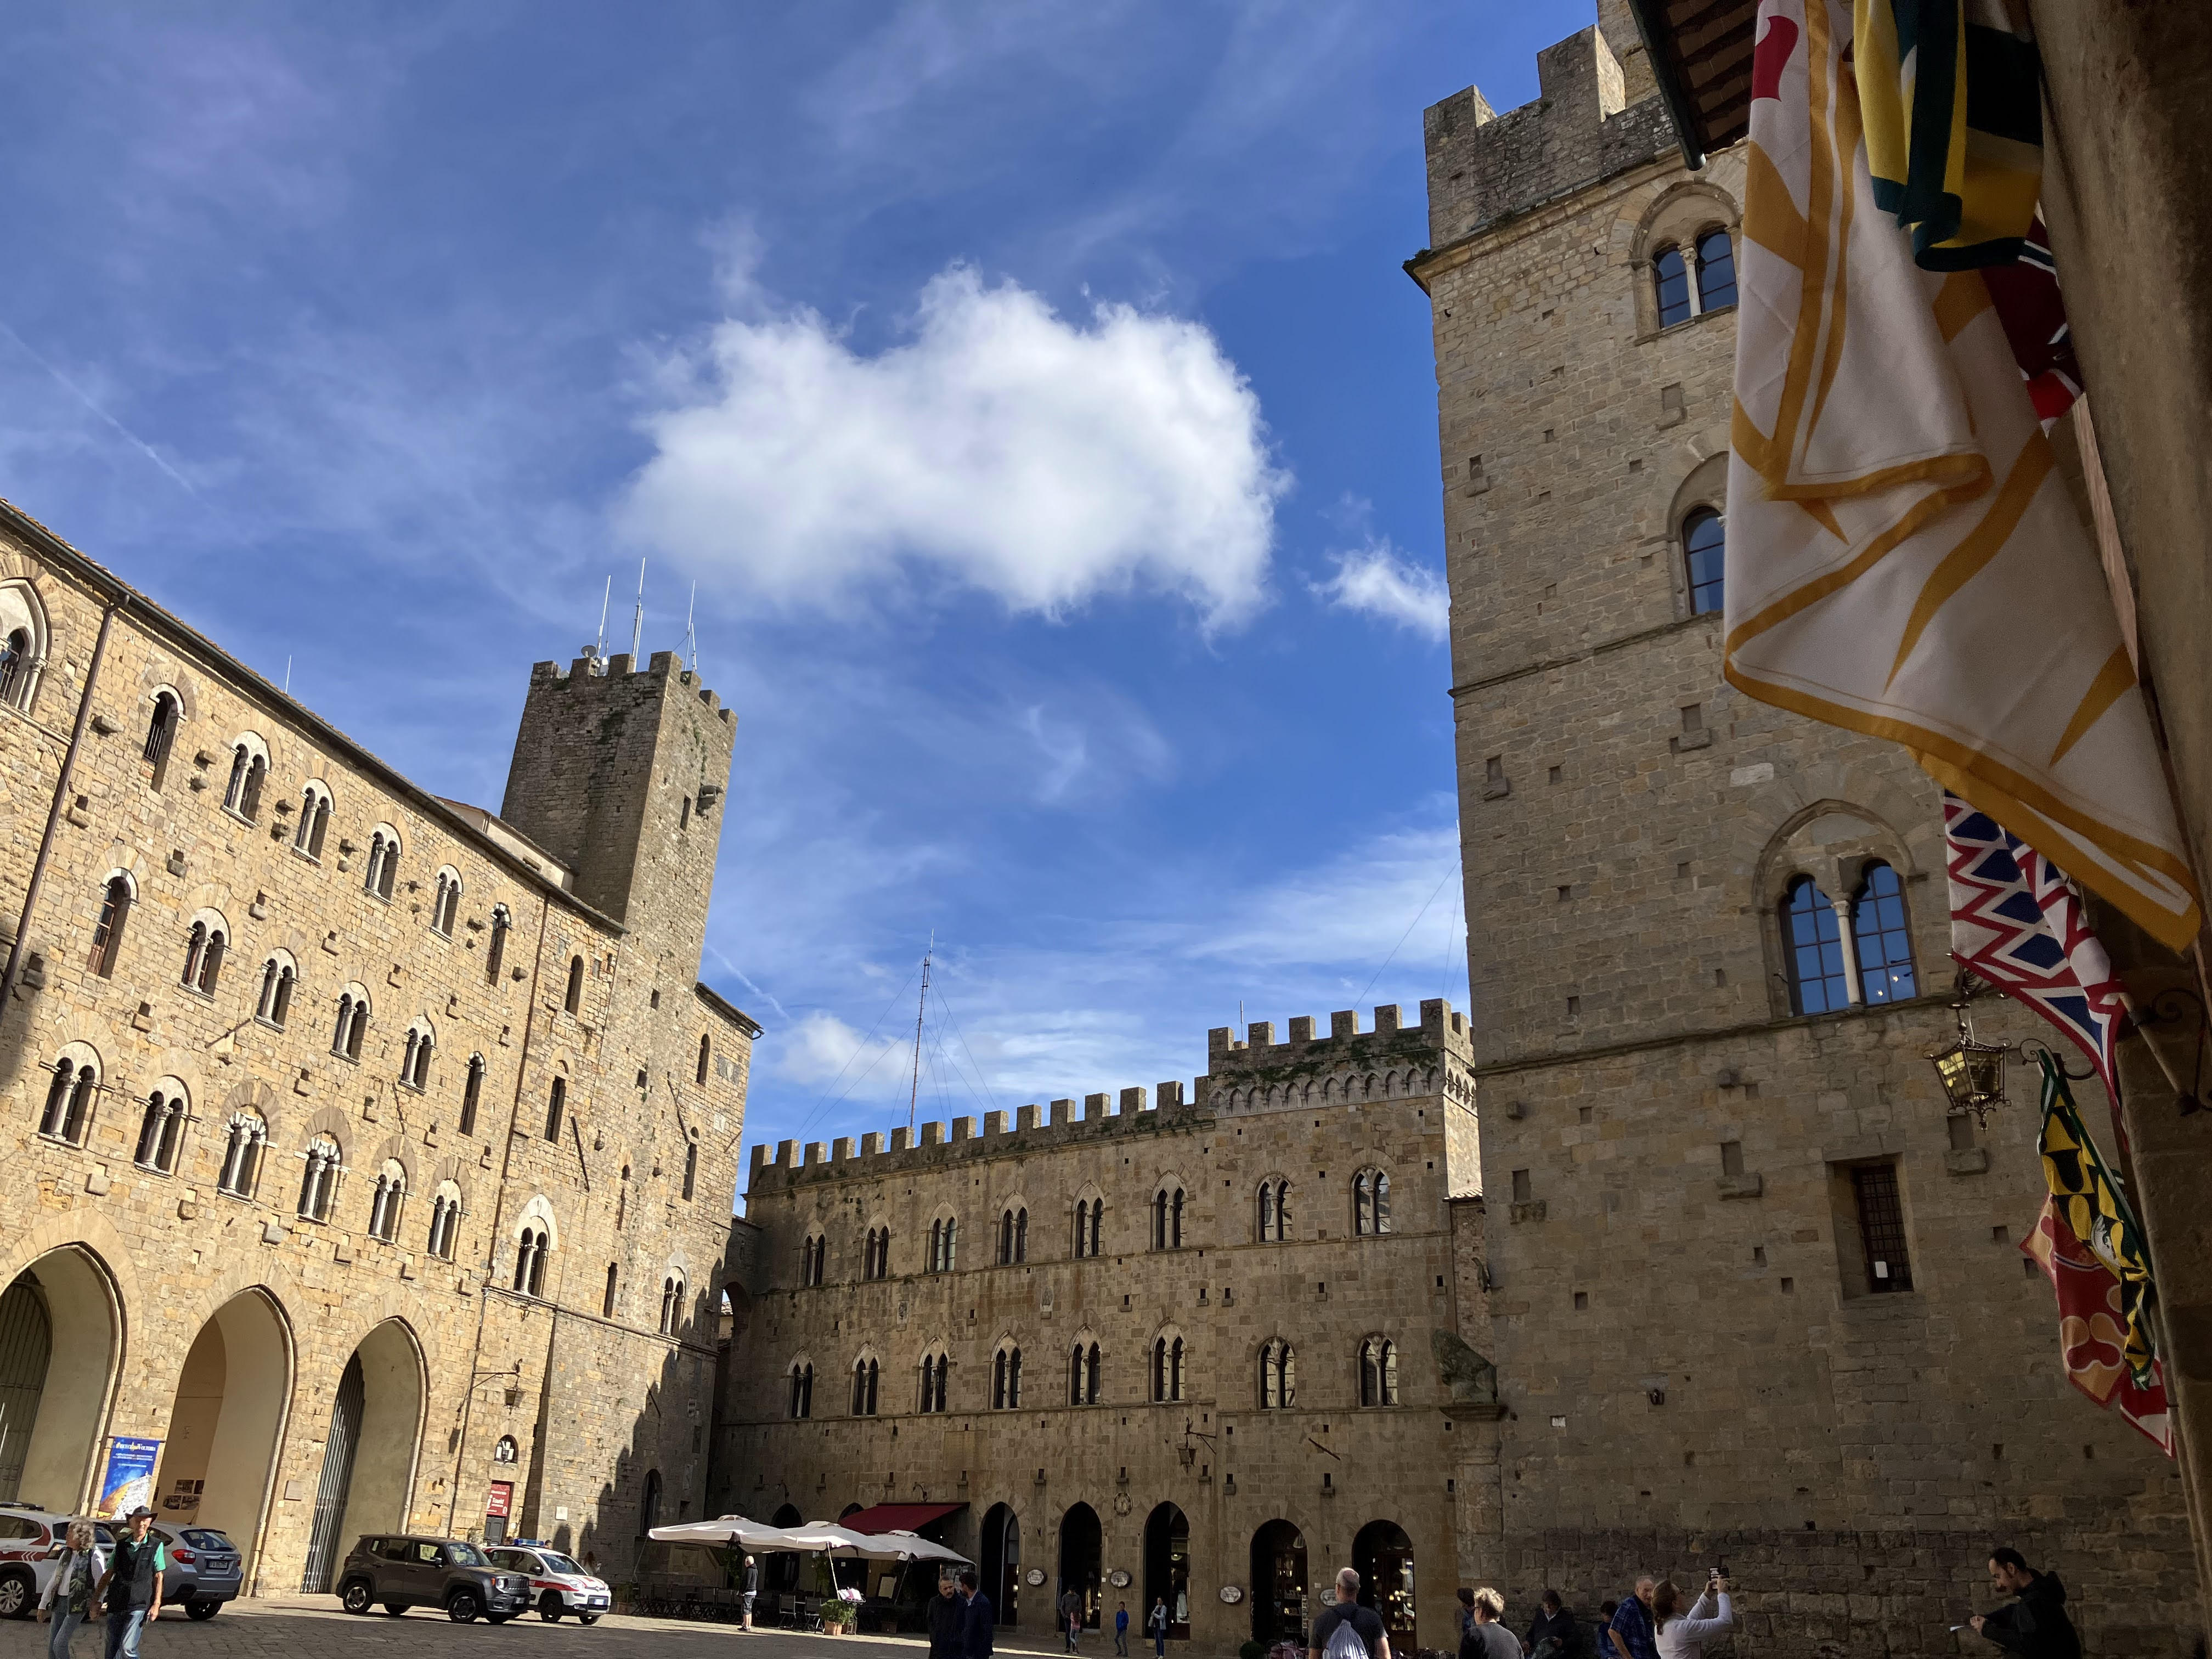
(898, 1517)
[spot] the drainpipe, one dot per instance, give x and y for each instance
(53, 816)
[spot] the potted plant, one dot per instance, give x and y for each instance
(836, 1612)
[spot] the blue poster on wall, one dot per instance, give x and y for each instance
(129, 1481)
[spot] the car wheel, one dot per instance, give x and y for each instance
(463, 1606)
(550, 1606)
(588, 1618)
(355, 1597)
(16, 1596)
(202, 1610)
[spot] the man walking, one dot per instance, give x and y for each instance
(1070, 1615)
(948, 1615)
(2035, 1625)
(131, 1589)
(752, 1589)
(1345, 1630)
(1631, 1632)
(980, 1619)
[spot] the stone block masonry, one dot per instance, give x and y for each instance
(373, 1153)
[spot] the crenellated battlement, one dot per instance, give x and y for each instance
(587, 673)
(1593, 115)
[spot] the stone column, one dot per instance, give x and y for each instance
(1851, 949)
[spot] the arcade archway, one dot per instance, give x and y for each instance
(1002, 1561)
(1167, 1569)
(226, 1420)
(60, 1334)
(1279, 1584)
(1384, 1558)
(1081, 1546)
(374, 1430)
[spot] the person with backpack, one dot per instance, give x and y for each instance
(1345, 1630)
(1682, 1633)
(67, 1601)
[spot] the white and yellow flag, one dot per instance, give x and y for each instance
(1902, 559)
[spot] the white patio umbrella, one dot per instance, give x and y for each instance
(913, 1546)
(753, 1535)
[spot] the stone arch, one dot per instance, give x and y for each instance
(229, 1412)
(1675, 215)
(539, 1212)
(382, 1385)
(1834, 840)
(1701, 486)
(89, 1287)
(396, 1149)
(23, 611)
(158, 674)
(252, 1095)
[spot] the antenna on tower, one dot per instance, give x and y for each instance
(600, 648)
(691, 635)
(637, 621)
(914, 1098)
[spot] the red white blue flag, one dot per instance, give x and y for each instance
(2016, 922)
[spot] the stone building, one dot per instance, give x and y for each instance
(1755, 1296)
(1208, 1342)
(371, 1153)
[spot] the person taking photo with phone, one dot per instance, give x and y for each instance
(1682, 1632)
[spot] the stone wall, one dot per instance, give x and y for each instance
(140, 1256)
(1693, 1355)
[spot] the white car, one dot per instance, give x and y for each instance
(557, 1584)
(31, 1544)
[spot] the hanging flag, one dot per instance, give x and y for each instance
(2089, 1246)
(1902, 559)
(2016, 922)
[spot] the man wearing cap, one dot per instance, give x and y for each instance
(135, 1573)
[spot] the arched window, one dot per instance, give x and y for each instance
(203, 950)
(249, 770)
(943, 1244)
(1705, 539)
(875, 1254)
(162, 1129)
(671, 1303)
(865, 1375)
(1378, 1371)
(447, 903)
(108, 932)
(1089, 1223)
(1167, 1218)
(1670, 280)
(690, 1167)
(607, 1302)
(1278, 1376)
(22, 643)
(705, 1058)
(383, 862)
(161, 735)
(471, 1094)
(813, 1259)
(415, 1061)
(530, 1253)
(802, 1387)
(278, 978)
(574, 1001)
(242, 1154)
(1006, 1379)
(1885, 945)
(70, 1098)
(314, 821)
(507, 1451)
(556, 1103)
(1275, 1211)
(384, 1205)
(1813, 945)
(495, 952)
(1013, 1235)
(319, 1179)
(1371, 1203)
(649, 1505)
(1167, 1368)
(444, 1220)
(353, 1023)
(1082, 1374)
(621, 1199)
(1716, 270)
(936, 1369)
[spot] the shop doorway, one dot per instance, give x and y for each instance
(1167, 1569)
(1384, 1558)
(1002, 1562)
(1279, 1584)
(1082, 1546)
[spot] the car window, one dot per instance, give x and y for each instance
(13, 1526)
(465, 1555)
(203, 1538)
(391, 1549)
(515, 1558)
(428, 1552)
(561, 1563)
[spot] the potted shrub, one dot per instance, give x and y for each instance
(834, 1614)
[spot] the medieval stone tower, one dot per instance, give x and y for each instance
(1753, 1289)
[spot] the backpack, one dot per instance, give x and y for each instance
(1344, 1641)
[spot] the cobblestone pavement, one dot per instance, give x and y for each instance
(313, 1628)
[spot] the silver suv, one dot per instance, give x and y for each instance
(203, 1569)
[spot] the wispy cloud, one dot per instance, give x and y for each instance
(1379, 582)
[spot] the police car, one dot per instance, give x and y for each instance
(557, 1584)
(31, 1541)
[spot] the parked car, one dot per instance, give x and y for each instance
(32, 1540)
(418, 1572)
(558, 1583)
(203, 1569)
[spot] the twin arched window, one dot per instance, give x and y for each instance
(1006, 1379)
(318, 1180)
(70, 1100)
(278, 979)
(415, 1061)
(314, 821)
(530, 1254)
(1168, 1355)
(1826, 971)
(353, 1023)
(243, 1146)
(203, 950)
(814, 1258)
(1167, 1218)
(1371, 1203)
(383, 862)
(249, 770)
(1013, 1235)
(1082, 1374)
(1275, 1211)
(1089, 1223)
(162, 1130)
(936, 1372)
(671, 1303)
(1378, 1371)
(383, 1206)
(802, 1387)
(1278, 1376)
(943, 1244)
(1691, 281)
(876, 1253)
(1704, 545)
(866, 1374)
(445, 1221)
(447, 903)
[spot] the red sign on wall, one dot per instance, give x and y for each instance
(500, 1499)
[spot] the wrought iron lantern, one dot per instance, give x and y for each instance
(1971, 1070)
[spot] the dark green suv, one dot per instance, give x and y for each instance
(412, 1571)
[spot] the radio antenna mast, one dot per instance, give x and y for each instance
(914, 1098)
(600, 648)
(637, 621)
(691, 635)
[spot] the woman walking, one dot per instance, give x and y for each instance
(1683, 1634)
(67, 1601)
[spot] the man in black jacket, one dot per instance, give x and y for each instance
(2035, 1626)
(980, 1621)
(948, 1618)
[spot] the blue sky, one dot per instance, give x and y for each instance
(1031, 391)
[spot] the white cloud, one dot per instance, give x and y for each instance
(1001, 446)
(1376, 579)
(824, 1051)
